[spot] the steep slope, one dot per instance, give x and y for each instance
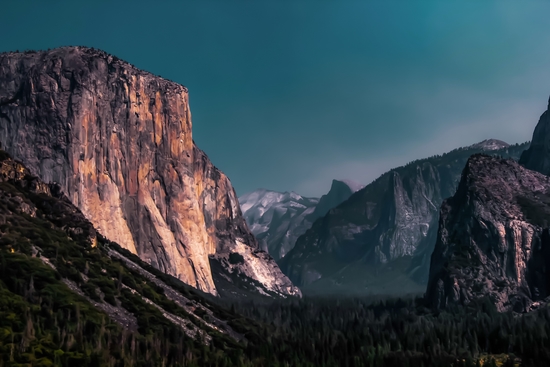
(278, 219)
(380, 239)
(69, 296)
(118, 141)
(493, 238)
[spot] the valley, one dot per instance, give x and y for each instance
(121, 244)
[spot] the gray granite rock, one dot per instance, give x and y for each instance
(493, 238)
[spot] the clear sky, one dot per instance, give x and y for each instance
(289, 94)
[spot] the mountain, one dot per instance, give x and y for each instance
(278, 219)
(340, 191)
(380, 240)
(118, 141)
(493, 238)
(490, 144)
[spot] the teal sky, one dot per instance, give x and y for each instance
(289, 94)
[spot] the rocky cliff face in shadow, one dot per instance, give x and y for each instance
(340, 191)
(118, 141)
(380, 239)
(493, 238)
(537, 157)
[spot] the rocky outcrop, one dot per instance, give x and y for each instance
(118, 141)
(380, 239)
(537, 157)
(493, 239)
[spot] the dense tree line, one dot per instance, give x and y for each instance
(360, 332)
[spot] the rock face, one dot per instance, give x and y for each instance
(278, 219)
(537, 157)
(380, 239)
(118, 141)
(493, 238)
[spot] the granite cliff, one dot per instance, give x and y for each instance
(493, 238)
(118, 142)
(380, 240)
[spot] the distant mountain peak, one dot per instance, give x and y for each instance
(353, 185)
(490, 144)
(277, 218)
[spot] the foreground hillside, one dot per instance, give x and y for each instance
(70, 297)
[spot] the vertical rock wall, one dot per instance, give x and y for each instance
(118, 141)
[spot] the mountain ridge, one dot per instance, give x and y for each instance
(493, 238)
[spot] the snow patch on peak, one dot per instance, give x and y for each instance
(292, 195)
(490, 144)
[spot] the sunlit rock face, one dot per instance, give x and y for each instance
(493, 238)
(118, 141)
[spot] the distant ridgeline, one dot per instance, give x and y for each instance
(278, 219)
(380, 240)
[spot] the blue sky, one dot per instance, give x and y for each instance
(287, 95)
